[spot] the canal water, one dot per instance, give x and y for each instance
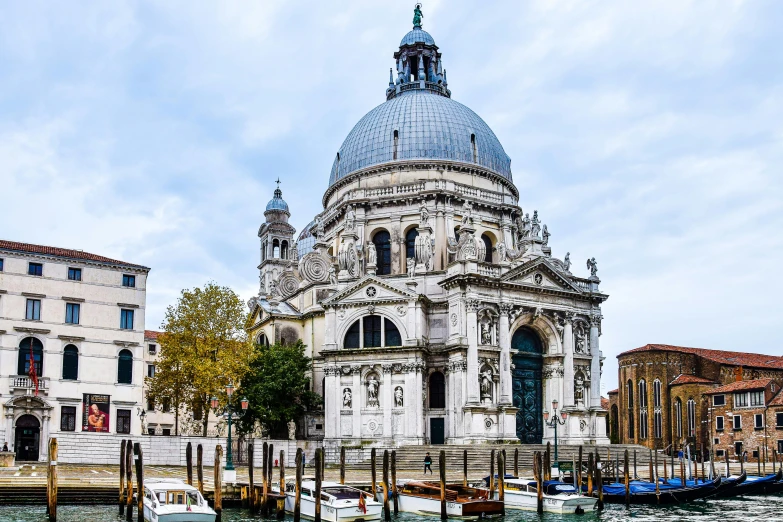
(769, 509)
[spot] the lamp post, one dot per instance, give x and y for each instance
(553, 424)
(231, 473)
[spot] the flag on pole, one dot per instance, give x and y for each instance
(32, 372)
(362, 503)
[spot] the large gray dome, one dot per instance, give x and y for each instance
(429, 126)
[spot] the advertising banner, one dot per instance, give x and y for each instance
(95, 412)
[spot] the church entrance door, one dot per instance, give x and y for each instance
(527, 386)
(437, 431)
(27, 438)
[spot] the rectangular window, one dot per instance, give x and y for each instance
(75, 274)
(780, 447)
(740, 400)
(150, 404)
(35, 269)
(126, 319)
(719, 400)
(737, 423)
(166, 432)
(658, 424)
(779, 419)
(68, 418)
(129, 280)
(33, 312)
(153, 349)
(151, 431)
(757, 398)
(1, 265)
(719, 453)
(150, 370)
(758, 421)
(166, 405)
(72, 313)
(123, 421)
(718, 423)
(715, 441)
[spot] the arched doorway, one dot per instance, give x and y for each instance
(527, 385)
(27, 438)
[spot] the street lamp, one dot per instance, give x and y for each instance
(230, 472)
(553, 424)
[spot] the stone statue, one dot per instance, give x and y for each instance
(501, 252)
(535, 225)
(486, 334)
(350, 219)
(372, 392)
(332, 275)
(347, 398)
(272, 287)
(467, 213)
(593, 267)
(417, 16)
(411, 267)
(526, 226)
(372, 254)
(567, 262)
(424, 216)
(579, 388)
(486, 386)
(291, 430)
(252, 302)
(319, 229)
(398, 402)
(545, 234)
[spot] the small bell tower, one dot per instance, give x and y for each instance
(277, 242)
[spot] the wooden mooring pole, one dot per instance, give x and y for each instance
(491, 473)
(270, 466)
(51, 475)
(251, 488)
(635, 475)
(579, 473)
(189, 462)
(627, 478)
(342, 467)
(651, 475)
(516, 462)
(129, 480)
(465, 468)
(548, 462)
(758, 461)
(298, 486)
(138, 455)
(538, 463)
(394, 481)
(122, 477)
(318, 474)
(386, 510)
(374, 472)
(599, 480)
(590, 474)
(665, 471)
(264, 479)
(501, 479)
(442, 474)
(200, 468)
(218, 476)
(728, 470)
(281, 498)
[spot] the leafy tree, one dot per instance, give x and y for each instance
(277, 387)
(203, 347)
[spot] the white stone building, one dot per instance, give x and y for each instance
(79, 318)
(429, 299)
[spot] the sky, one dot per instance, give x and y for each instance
(647, 134)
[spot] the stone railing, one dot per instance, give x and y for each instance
(488, 270)
(478, 193)
(26, 384)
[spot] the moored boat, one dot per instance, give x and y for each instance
(423, 498)
(171, 500)
(339, 503)
(754, 485)
(645, 492)
(558, 497)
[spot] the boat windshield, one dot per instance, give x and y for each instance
(343, 493)
(178, 497)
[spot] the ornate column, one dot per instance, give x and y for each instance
(331, 413)
(440, 239)
(472, 306)
(595, 366)
(419, 404)
(388, 394)
(9, 427)
(504, 340)
(42, 454)
(568, 361)
(356, 401)
(330, 329)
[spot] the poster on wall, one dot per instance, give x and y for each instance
(95, 412)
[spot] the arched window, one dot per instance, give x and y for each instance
(125, 367)
(30, 346)
(275, 248)
(678, 417)
(262, 340)
(396, 141)
(691, 418)
(642, 409)
(70, 363)
(410, 243)
(629, 389)
(437, 390)
(473, 146)
(614, 434)
(263, 251)
(488, 248)
(372, 331)
(284, 250)
(382, 241)
(657, 412)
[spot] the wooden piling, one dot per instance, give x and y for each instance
(200, 468)
(139, 457)
(265, 486)
(682, 472)
(655, 475)
(665, 472)
(590, 474)
(758, 461)
(491, 473)
(218, 476)
(374, 472)
(774, 460)
(442, 474)
(386, 510)
(270, 466)
(394, 481)
(465, 468)
(548, 462)
(501, 479)
(627, 478)
(728, 470)
(251, 488)
(129, 480)
(635, 475)
(538, 463)
(318, 470)
(579, 472)
(281, 499)
(189, 462)
(342, 466)
(516, 462)
(122, 478)
(298, 486)
(763, 456)
(51, 475)
(674, 450)
(599, 480)
(651, 475)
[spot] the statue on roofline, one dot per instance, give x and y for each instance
(417, 16)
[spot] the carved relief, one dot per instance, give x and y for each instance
(314, 267)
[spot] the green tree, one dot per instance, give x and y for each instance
(277, 387)
(203, 347)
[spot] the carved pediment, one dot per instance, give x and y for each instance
(370, 289)
(541, 272)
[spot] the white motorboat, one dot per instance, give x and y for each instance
(171, 500)
(423, 498)
(558, 497)
(339, 503)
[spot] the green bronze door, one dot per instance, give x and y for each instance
(527, 386)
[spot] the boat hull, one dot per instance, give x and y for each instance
(431, 506)
(329, 513)
(185, 516)
(561, 504)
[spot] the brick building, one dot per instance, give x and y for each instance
(666, 396)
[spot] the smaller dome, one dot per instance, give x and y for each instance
(417, 35)
(277, 202)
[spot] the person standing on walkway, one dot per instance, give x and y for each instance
(428, 464)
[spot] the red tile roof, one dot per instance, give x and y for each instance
(151, 335)
(605, 403)
(756, 384)
(690, 379)
(777, 400)
(616, 390)
(753, 360)
(28, 248)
